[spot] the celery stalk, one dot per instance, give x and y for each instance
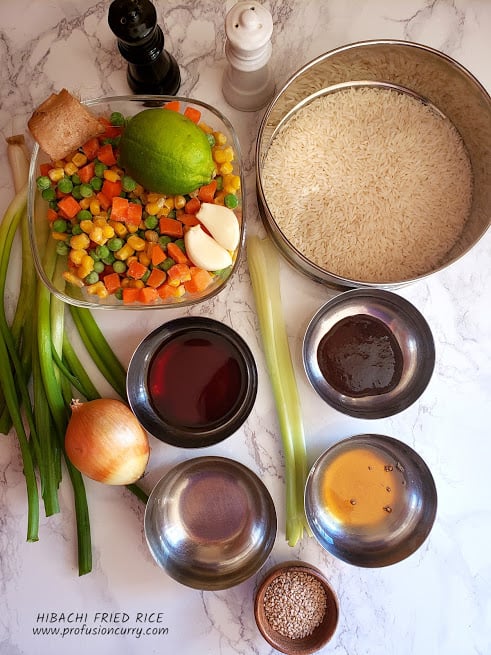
(264, 271)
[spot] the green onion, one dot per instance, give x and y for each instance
(264, 271)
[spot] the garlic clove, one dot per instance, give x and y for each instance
(204, 251)
(221, 223)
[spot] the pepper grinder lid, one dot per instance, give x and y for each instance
(248, 27)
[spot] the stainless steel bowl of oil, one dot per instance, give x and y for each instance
(369, 353)
(370, 500)
(210, 522)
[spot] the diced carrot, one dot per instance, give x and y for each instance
(173, 105)
(119, 209)
(193, 114)
(165, 291)
(134, 213)
(177, 274)
(104, 201)
(111, 189)
(147, 295)
(200, 280)
(158, 255)
(188, 219)
(130, 294)
(52, 215)
(105, 154)
(170, 227)
(86, 173)
(156, 278)
(68, 207)
(136, 270)
(176, 254)
(192, 206)
(110, 131)
(207, 192)
(90, 148)
(45, 168)
(112, 282)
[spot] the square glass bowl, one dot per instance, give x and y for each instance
(50, 265)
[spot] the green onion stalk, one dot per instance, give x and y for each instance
(39, 352)
(264, 271)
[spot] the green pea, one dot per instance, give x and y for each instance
(76, 229)
(119, 266)
(117, 119)
(167, 263)
(49, 194)
(211, 139)
(65, 185)
(99, 266)
(86, 190)
(76, 193)
(84, 215)
(128, 183)
(145, 275)
(172, 213)
(96, 183)
(164, 240)
(219, 181)
(62, 248)
(231, 201)
(151, 222)
(91, 278)
(102, 251)
(180, 244)
(109, 260)
(59, 225)
(119, 293)
(43, 182)
(76, 179)
(99, 168)
(114, 244)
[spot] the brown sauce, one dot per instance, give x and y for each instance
(360, 356)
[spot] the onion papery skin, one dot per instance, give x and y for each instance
(105, 442)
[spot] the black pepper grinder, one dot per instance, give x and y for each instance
(151, 69)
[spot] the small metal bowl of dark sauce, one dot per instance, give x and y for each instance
(192, 382)
(369, 353)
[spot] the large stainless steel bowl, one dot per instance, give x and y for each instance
(427, 73)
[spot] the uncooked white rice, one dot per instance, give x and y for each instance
(370, 184)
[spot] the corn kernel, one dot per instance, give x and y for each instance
(125, 282)
(86, 226)
(151, 236)
(95, 206)
(59, 236)
(205, 127)
(136, 242)
(132, 228)
(59, 163)
(56, 174)
(219, 198)
(86, 264)
(144, 259)
(155, 197)
(79, 241)
(124, 252)
(152, 208)
(111, 176)
(169, 202)
(225, 168)
(75, 256)
(71, 278)
(79, 159)
(136, 284)
(70, 168)
(84, 203)
(220, 138)
(165, 211)
(97, 289)
(107, 231)
(119, 228)
(179, 202)
(97, 236)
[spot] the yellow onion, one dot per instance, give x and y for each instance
(105, 441)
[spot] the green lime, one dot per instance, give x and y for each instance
(166, 152)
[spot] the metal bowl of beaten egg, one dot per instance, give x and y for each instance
(368, 353)
(333, 208)
(370, 500)
(210, 523)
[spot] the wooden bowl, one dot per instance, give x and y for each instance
(291, 645)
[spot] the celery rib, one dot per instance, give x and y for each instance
(264, 271)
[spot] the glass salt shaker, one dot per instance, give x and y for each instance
(248, 83)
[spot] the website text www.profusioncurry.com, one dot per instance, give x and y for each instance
(76, 624)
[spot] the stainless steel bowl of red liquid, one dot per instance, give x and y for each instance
(369, 353)
(370, 500)
(192, 382)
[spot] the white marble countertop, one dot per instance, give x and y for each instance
(437, 600)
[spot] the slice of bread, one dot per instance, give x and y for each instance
(61, 124)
